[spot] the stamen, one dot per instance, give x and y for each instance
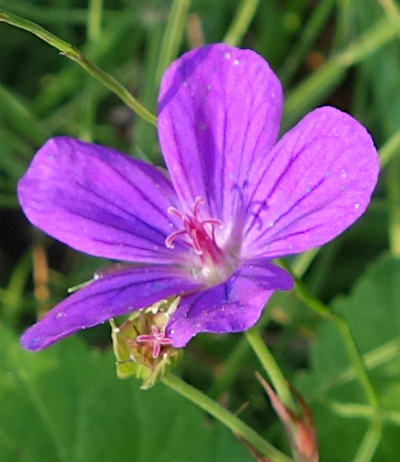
(169, 241)
(156, 338)
(199, 201)
(194, 228)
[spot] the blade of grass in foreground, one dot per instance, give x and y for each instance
(74, 54)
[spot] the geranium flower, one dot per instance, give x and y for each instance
(234, 199)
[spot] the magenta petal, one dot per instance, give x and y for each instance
(99, 201)
(219, 113)
(233, 306)
(110, 295)
(315, 183)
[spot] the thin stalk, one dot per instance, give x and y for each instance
(237, 426)
(391, 9)
(172, 36)
(311, 89)
(271, 367)
(243, 17)
(364, 411)
(74, 54)
(357, 360)
(94, 19)
(370, 442)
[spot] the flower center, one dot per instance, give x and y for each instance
(215, 265)
(199, 233)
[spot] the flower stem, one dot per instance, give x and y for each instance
(75, 55)
(223, 415)
(271, 367)
(357, 361)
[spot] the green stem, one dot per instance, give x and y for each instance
(369, 443)
(271, 367)
(364, 411)
(244, 14)
(357, 361)
(237, 426)
(75, 55)
(95, 15)
(172, 36)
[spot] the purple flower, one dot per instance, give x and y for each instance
(234, 199)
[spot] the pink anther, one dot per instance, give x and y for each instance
(194, 229)
(156, 339)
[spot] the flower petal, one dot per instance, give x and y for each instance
(99, 201)
(232, 306)
(219, 113)
(109, 295)
(315, 183)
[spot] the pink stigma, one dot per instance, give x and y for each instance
(156, 339)
(194, 229)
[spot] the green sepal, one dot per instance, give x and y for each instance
(134, 358)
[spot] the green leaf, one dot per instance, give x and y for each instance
(340, 410)
(65, 404)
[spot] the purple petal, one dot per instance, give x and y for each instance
(110, 295)
(233, 306)
(315, 183)
(219, 113)
(99, 201)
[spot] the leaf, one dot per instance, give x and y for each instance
(373, 313)
(65, 404)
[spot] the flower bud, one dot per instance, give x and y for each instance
(299, 427)
(141, 346)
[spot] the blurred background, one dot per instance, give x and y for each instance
(66, 403)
